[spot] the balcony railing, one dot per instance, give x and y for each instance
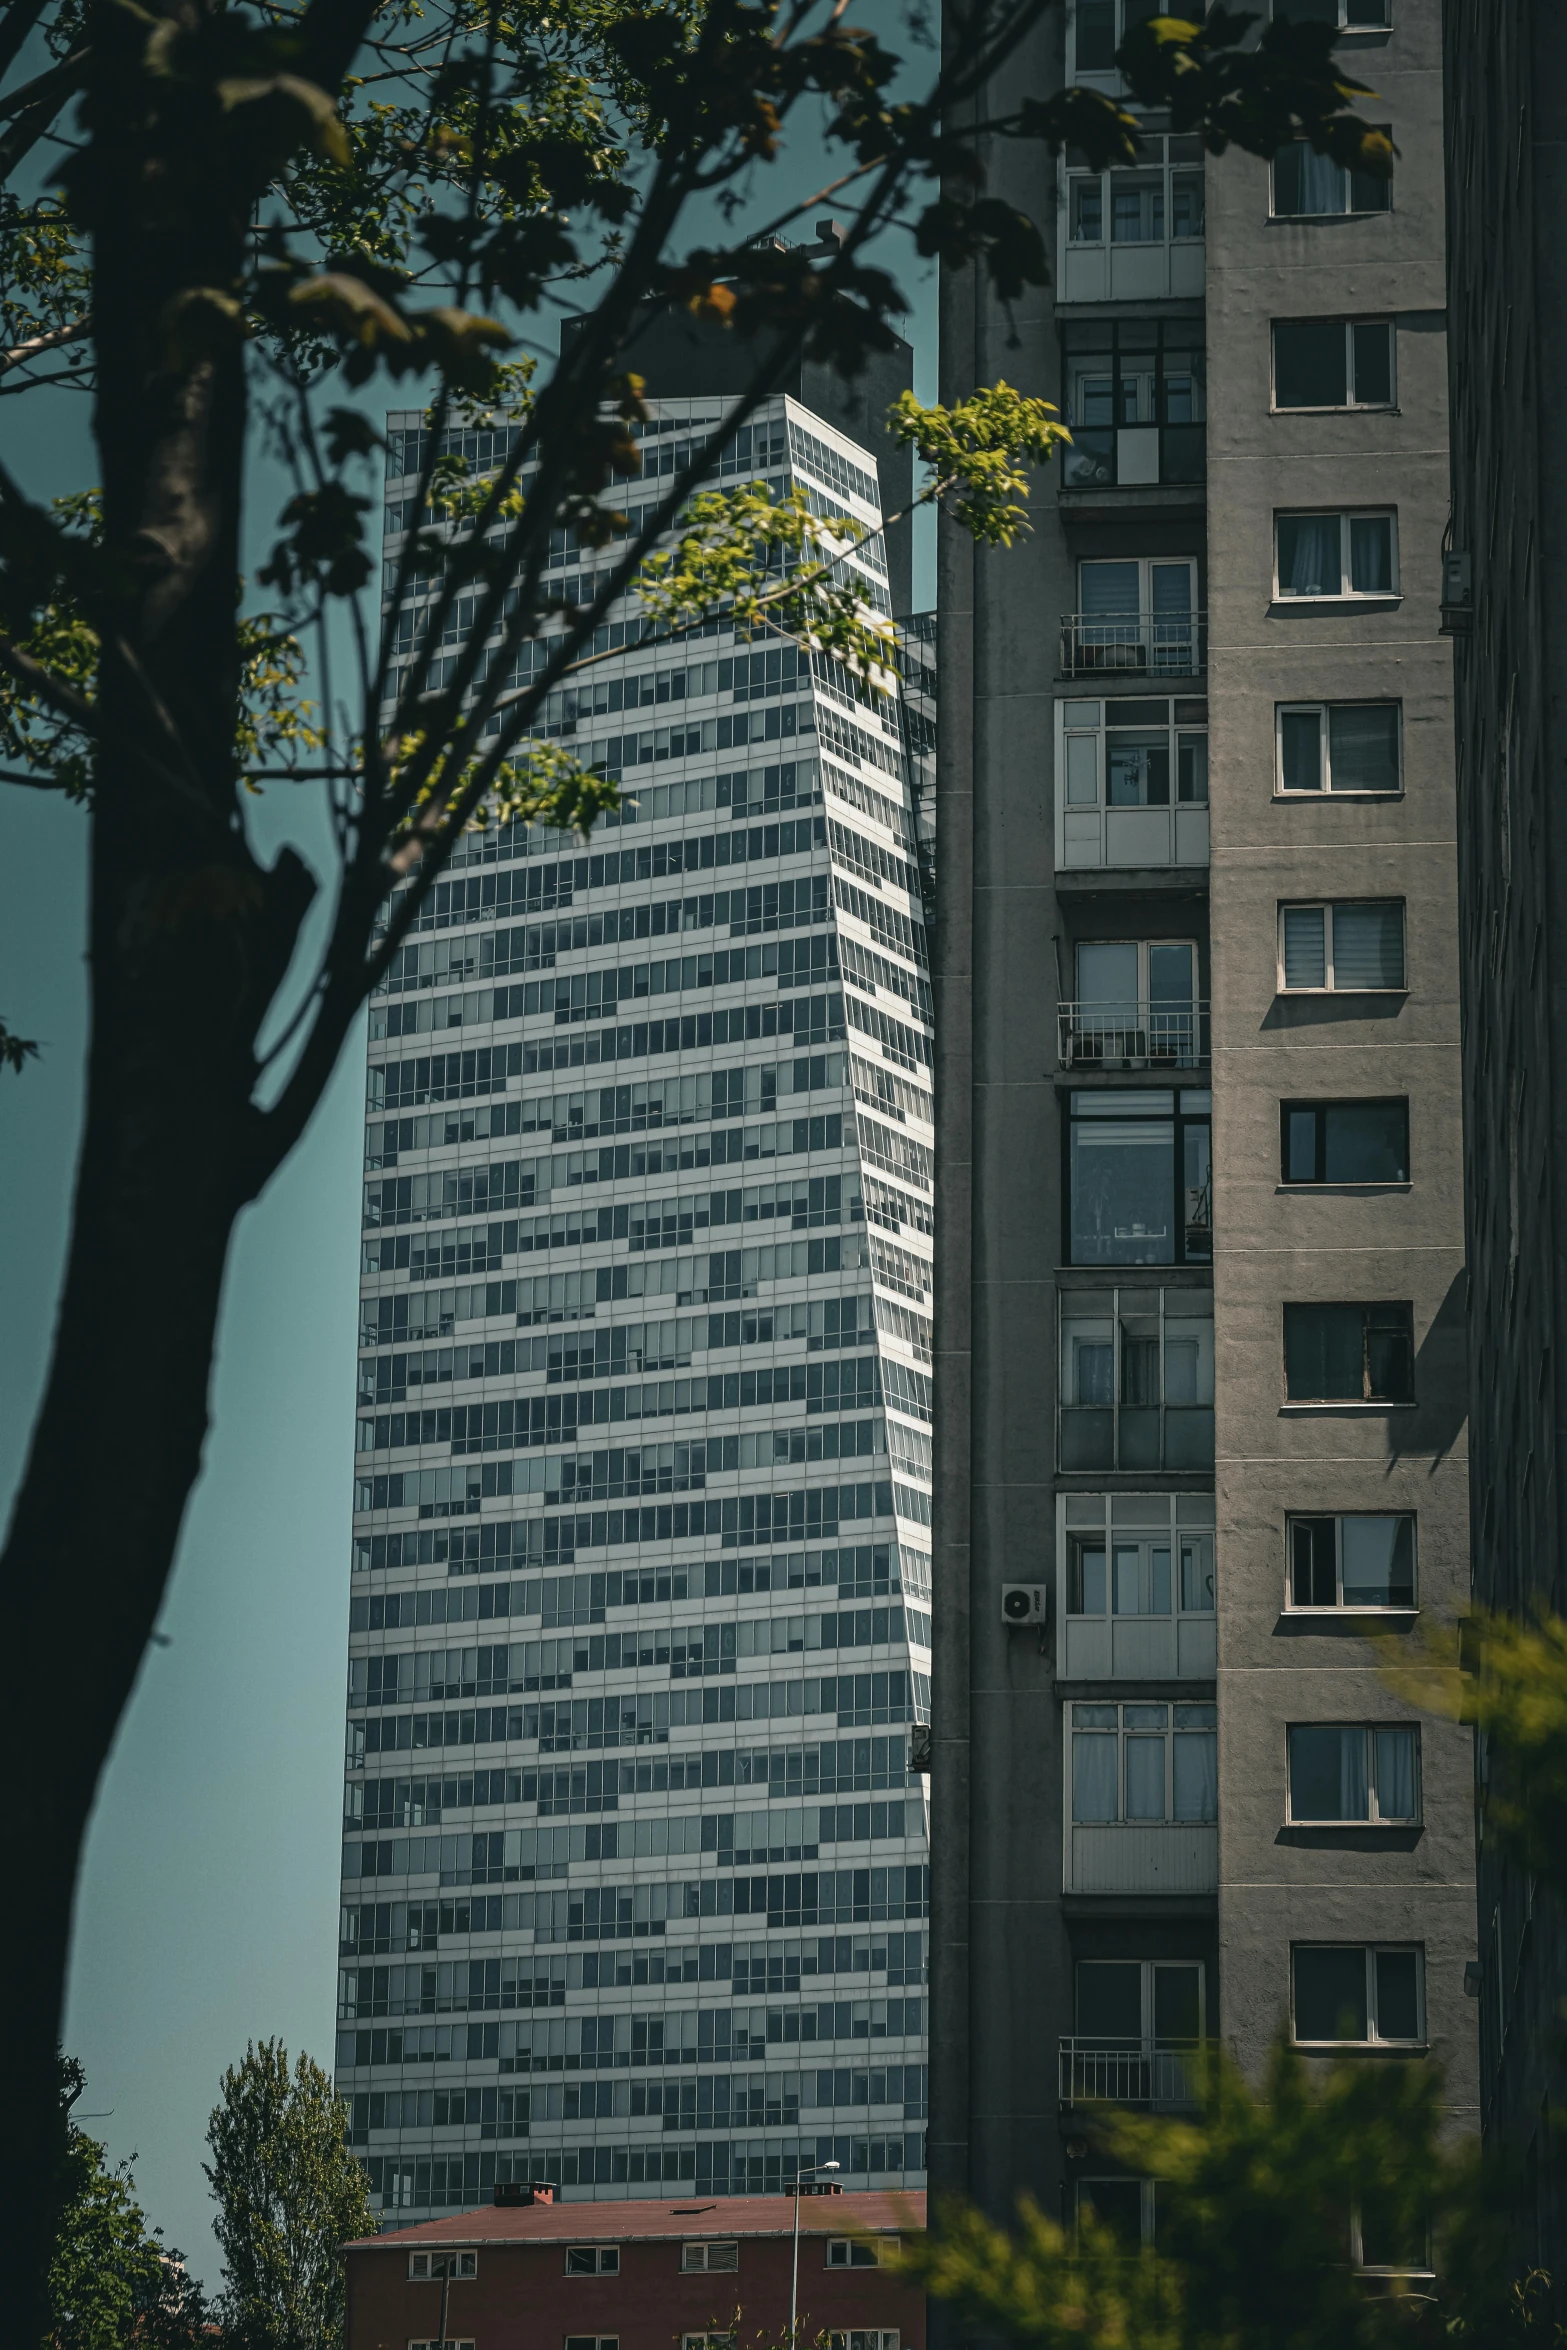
(1133, 644)
(1132, 1035)
(1096, 2072)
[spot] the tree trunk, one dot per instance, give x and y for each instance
(188, 942)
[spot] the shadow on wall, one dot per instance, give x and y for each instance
(1322, 1011)
(1441, 1384)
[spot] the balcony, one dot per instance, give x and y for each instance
(1134, 456)
(1160, 2080)
(1164, 1857)
(1132, 1035)
(1134, 644)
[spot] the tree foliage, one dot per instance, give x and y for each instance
(289, 2192)
(112, 2282)
(1272, 2202)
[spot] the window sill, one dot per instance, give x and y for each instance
(1340, 1190)
(1362, 2047)
(1326, 995)
(1359, 1827)
(1345, 1409)
(1324, 219)
(1343, 408)
(1339, 1615)
(1296, 799)
(1279, 605)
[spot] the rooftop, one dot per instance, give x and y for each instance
(619, 2223)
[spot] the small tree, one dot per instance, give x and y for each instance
(289, 2193)
(112, 2281)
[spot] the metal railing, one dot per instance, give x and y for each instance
(1133, 644)
(1096, 2073)
(1132, 1035)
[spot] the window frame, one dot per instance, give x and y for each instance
(1166, 1733)
(1159, 159)
(1347, 210)
(1318, 1110)
(1329, 907)
(465, 2257)
(706, 2266)
(586, 2342)
(1150, 2041)
(1127, 1303)
(1373, 2039)
(1103, 732)
(1364, 1401)
(606, 2260)
(880, 2251)
(1347, 592)
(1076, 71)
(1348, 323)
(1340, 1606)
(1373, 1818)
(1179, 1117)
(1323, 711)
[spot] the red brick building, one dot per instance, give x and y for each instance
(637, 2276)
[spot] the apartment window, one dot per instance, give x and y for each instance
(1357, 1995)
(1336, 555)
(1349, 1353)
(1135, 1002)
(1100, 26)
(1366, 1560)
(709, 2257)
(1140, 1575)
(443, 2264)
(1135, 397)
(863, 2338)
(1159, 201)
(1354, 947)
(1333, 363)
(593, 2260)
(1353, 1774)
(1142, 1764)
(1136, 1381)
(1141, 1178)
(1309, 186)
(1124, 2208)
(1136, 614)
(1386, 2239)
(1140, 2002)
(1338, 746)
(451, 2342)
(1351, 16)
(846, 2252)
(1344, 1142)
(592, 2342)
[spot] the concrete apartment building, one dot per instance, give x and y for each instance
(1200, 1367)
(1506, 605)
(635, 1872)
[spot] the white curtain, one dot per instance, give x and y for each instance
(1094, 1775)
(1396, 1774)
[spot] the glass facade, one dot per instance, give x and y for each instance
(634, 1866)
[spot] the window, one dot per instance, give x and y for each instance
(1157, 202)
(1351, 16)
(451, 2342)
(592, 2342)
(709, 2257)
(1136, 1381)
(1349, 1354)
(1138, 614)
(1099, 28)
(1125, 2208)
(1344, 1142)
(1136, 1001)
(1357, 1994)
(1338, 746)
(1135, 396)
(1129, 754)
(1353, 948)
(1141, 1181)
(1308, 186)
(1139, 2003)
(1139, 1575)
(1333, 363)
(1140, 1764)
(443, 2264)
(1352, 1774)
(1388, 2239)
(863, 2338)
(593, 2260)
(1352, 1562)
(1335, 555)
(846, 2252)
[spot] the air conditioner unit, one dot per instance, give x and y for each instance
(1025, 1603)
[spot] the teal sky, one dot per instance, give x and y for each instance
(207, 1911)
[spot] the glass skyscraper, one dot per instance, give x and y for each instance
(635, 1869)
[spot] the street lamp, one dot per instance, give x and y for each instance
(808, 2171)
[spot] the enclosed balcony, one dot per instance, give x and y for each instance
(1131, 782)
(1135, 1600)
(1143, 1781)
(1136, 404)
(1136, 1379)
